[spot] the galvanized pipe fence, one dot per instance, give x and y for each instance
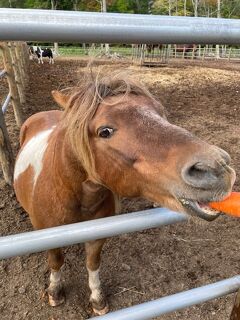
(175, 302)
(2, 73)
(46, 25)
(35, 241)
(93, 27)
(15, 60)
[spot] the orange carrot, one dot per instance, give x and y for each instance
(230, 205)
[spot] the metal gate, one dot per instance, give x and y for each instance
(47, 25)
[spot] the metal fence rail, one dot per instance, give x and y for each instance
(175, 302)
(2, 73)
(6, 103)
(8, 98)
(92, 27)
(6, 155)
(35, 241)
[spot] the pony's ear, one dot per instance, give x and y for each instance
(61, 98)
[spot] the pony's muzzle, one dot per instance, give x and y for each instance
(225, 156)
(209, 172)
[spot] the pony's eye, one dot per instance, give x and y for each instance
(105, 132)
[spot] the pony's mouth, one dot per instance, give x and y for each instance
(199, 209)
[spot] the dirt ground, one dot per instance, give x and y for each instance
(201, 97)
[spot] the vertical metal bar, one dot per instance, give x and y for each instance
(6, 155)
(6, 103)
(2, 73)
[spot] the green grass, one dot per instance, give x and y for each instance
(72, 51)
(79, 51)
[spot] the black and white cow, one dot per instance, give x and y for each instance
(41, 53)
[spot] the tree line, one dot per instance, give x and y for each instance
(203, 8)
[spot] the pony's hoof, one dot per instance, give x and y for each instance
(102, 311)
(54, 302)
(99, 306)
(56, 297)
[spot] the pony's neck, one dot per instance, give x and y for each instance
(69, 167)
(71, 175)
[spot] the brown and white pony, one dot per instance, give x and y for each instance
(112, 139)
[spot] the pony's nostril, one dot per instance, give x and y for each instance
(198, 170)
(199, 175)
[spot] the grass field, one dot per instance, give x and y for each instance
(79, 51)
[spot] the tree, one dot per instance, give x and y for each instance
(207, 8)
(54, 4)
(173, 7)
(185, 7)
(219, 16)
(195, 6)
(104, 9)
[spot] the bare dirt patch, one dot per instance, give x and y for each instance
(203, 98)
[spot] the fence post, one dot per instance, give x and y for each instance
(21, 67)
(16, 63)
(203, 56)
(193, 51)
(183, 55)
(235, 315)
(12, 85)
(142, 54)
(229, 54)
(199, 51)
(6, 155)
(23, 55)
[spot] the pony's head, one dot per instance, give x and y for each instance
(120, 134)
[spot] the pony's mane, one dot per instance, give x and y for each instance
(83, 103)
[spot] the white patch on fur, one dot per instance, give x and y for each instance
(117, 203)
(94, 284)
(32, 155)
(55, 277)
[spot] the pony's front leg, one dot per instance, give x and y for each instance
(55, 290)
(97, 298)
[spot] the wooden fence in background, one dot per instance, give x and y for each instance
(16, 62)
